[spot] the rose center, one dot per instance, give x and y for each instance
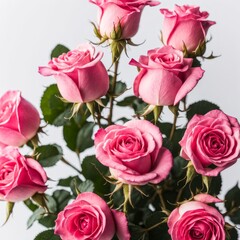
(196, 234)
(169, 58)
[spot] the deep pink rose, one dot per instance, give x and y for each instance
(165, 77)
(134, 152)
(211, 142)
(81, 76)
(89, 217)
(186, 25)
(125, 12)
(196, 220)
(20, 177)
(19, 119)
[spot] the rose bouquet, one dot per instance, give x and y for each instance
(141, 177)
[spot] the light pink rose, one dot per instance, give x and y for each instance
(196, 220)
(134, 152)
(81, 76)
(186, 25)
(19, 119)
(211, 142)
(165, 77)
(125, 12)
(20, 177)
(89, 217)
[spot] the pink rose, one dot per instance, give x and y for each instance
(89, 217)
(19, 119)
(124, 12)
(196, 220)
(134, 152)
(165, 77)
(81, 76)
(211, 142)
(20, 177)
(186, 25)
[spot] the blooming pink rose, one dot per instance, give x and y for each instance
(127, 13)
(211, 142)
(165, 77)
(186, 25)
(196, 220)
(20, 177)
(81, 76)
(19, 119)
(134, 152)
(89, 217)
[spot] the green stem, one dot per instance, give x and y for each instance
(70, 165)
(114, 82)
(173, 126)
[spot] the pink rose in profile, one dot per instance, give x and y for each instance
(19, 119)
(185, 26)
(165, 77)
(89, 217)
(211, 142)
(81, 76)
(134, 152)
(196, 220)
(20, 177)
(127, 13)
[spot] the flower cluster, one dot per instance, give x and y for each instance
(148, 179)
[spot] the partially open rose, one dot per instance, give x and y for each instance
(134, 152)
(81, 76)
(20, 177)
(19, 119)
(89, 217)
(165, 77)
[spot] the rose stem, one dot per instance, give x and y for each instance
(114, 81)
(70, 165)
(173, 126)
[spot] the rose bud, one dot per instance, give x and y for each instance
(19, 119)
(125, 14)
(185, 27)
(81, 76)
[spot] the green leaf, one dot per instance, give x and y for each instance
(127, 101)
(65, 182)
(76, 181)
(54, 110)
(201, 108)
(78, 138)
(216, 185)
(232, 198)
(86, 186)
(58, 50)
(47, 235)
(179, 167)
(121, 87)
(48, 221)
(29, 203)
(62, 197)
(49, 155)
(232, 234)
(137, 232)
(91, 169)
(40, 212)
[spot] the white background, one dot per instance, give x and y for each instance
(29, 29)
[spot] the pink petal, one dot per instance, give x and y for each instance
(194, 75)
(68, 88)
